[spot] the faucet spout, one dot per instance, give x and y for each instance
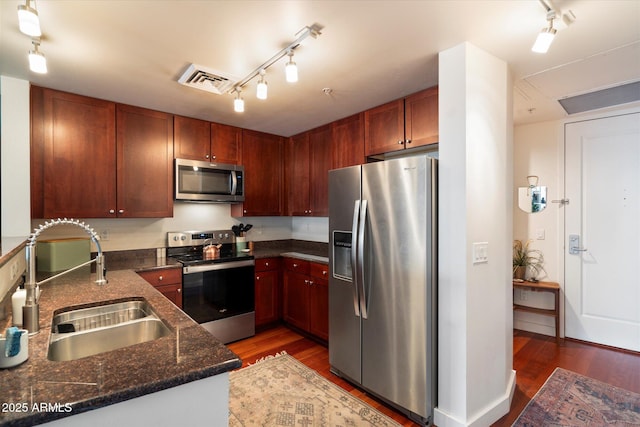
(30, 311)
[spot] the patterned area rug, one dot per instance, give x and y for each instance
(570, 399)
(280, 391)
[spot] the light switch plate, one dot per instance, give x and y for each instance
(480, 252)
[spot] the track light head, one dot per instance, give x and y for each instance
(238, 102)
(28, 20)
(291, 69)
(37, 60)
(261, 88)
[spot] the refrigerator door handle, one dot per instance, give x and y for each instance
(354, 257)
(360, 249)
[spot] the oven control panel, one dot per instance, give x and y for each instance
(197, 238)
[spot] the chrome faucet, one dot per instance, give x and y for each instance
(31, 309)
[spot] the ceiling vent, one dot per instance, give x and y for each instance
(199, 77)
(610, 97)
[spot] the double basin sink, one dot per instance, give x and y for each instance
(88, 331)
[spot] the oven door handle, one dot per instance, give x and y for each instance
(190, 269)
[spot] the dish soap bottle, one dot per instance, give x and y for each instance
(18, 299)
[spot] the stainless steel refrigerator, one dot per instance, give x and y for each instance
(383, 281)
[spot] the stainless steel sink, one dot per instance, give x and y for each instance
(98, 329)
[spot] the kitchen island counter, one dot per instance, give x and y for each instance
(40, 390)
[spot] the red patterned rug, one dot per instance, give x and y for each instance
(570, 399)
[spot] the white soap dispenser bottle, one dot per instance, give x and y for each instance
(18, 299)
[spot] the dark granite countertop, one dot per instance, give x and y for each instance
(114, 376)
(294, 248)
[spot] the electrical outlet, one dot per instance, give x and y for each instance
(540, 234)
(104, 235)
(524, 295)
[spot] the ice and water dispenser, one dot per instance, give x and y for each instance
(342, 255)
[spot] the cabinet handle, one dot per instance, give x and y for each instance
(244, 211)
(206, 156)
(310, 282)
(306, 282)
(112, 211)
(408, 141)
(295, 265)
(324, 272)
(257, 277)
(213, 157)
(179, 290)
(400, 142)
(160, 278)
(120, 211)
(266, 264)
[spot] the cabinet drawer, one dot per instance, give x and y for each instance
(165, 276)
(320, 271)
(266, 264)
(298, 265)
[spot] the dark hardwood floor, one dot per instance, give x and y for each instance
(534, 359)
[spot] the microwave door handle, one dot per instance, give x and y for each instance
(234, 183)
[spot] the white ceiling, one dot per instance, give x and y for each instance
(370, 52)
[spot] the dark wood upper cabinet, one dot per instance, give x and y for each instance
(297, 184)
(192, 138)
(226, 143)
(347, 142)
(74, 157)
(144, 162)
(93, 159)
(262, 156)
(405, 123)
(319, 165)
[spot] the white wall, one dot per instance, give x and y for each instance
(14, 171)
(475, 376)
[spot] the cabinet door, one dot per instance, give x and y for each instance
(384, 128)
(168, 281)
(348, 142)
(296, 299)
(319, 301)
(319, 165)
(267, 307)
(263, 172)
(78, 156)
(297, 161)
(173, 292)
(145, 163)
(225, 143)
(191, 138)
(421, 118)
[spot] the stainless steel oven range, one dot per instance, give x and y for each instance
(217, 292)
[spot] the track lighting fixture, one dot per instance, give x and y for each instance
(545, 37)
(28, 20)
(291, 69)
(238, 103)
(37, 61)
(261, 89)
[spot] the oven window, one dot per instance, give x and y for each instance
(216, 294)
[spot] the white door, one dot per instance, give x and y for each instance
(602, 224)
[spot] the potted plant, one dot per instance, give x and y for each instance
(526, 259)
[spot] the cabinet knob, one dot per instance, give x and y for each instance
(257, 277)
(295, 265)
(206, 156)
(112, 211)
(324, 272)
(160, 278)
(120, 211)
(213, 157)
(245, 211)
(310, 282)
(408, 141)
(179, 290)
(401, 142)
(266, 264)
(306, 282)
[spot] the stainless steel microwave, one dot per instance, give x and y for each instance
(199, 181)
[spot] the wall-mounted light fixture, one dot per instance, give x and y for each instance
(28, 19)
(548, 33)
(291, 71)
(37, 61)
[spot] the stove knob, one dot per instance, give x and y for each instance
(226, 235)
(183, 237)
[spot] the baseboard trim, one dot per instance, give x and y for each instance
(486, 416)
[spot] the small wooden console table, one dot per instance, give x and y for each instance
(552, 287)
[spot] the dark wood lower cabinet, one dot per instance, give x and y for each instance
(306, 296)
(168, 281)
(267, 291)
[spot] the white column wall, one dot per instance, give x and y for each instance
(475, 376)
(14, 178)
